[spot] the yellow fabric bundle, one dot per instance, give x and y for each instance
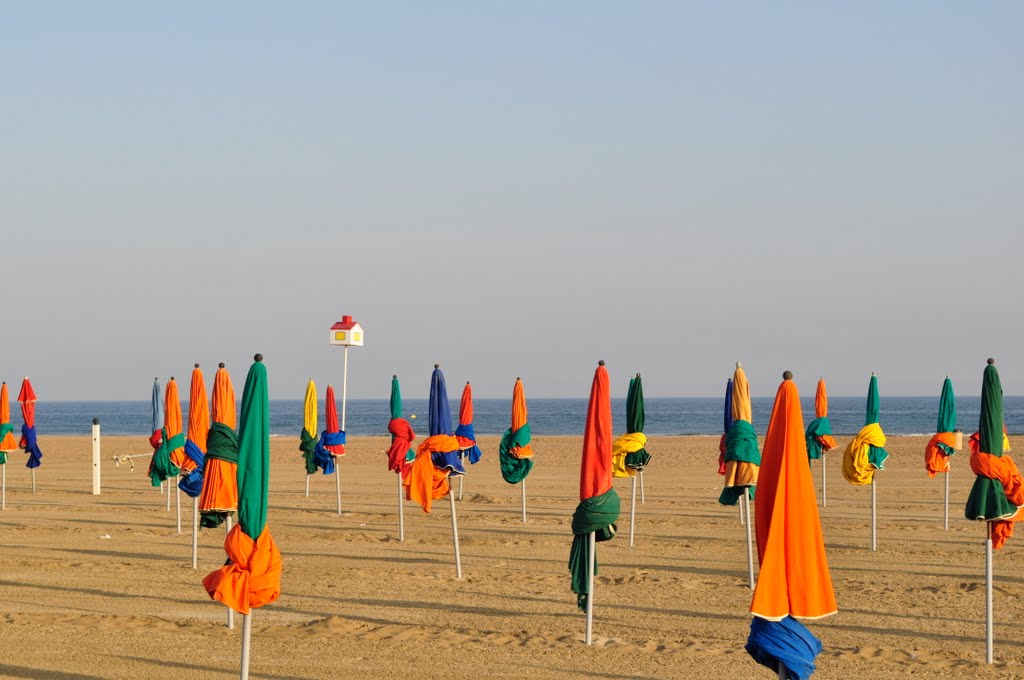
(856, 467)
(623, 446)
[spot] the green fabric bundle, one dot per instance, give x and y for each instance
(595, 515)
(514, 470)
(819, 427)
(307, 444)
(162, 467)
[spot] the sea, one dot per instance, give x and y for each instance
(664, 416)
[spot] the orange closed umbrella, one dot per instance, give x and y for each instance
(195, 452)
(219, 497)
(818, 434)
(8, 442)
(794, 580)
(175, 432)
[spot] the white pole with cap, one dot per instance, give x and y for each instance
(345, 333)
(95, 456)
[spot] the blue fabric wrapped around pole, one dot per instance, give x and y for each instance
(158, 408)
(322, 457)
(728, 406)
(787, 641)
(448, 459)
(192, 483)
(31, 447)
(467, 432)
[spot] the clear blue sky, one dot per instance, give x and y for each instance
(512, 189)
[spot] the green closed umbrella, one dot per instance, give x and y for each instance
(631, 449)
(251, 577)
(400, 455)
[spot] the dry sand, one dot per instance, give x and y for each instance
(102, 587)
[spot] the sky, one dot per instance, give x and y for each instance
(512, 189)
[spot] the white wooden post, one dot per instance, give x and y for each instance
(95, 456)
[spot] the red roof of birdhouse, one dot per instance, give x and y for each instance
(345, 324)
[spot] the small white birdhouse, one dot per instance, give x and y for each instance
(347, 333)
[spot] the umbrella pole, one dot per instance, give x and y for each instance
(782, 671)
(195, 532)
(522, 488)
(307, 486)
(455, 534)
(643, 496)
(461, 480)
(988, 592)
(401, 510)
(750, 543)
(231, 612)
(588, 637)
(4, 501)
(743, 520)
(823, 494)
(246, 637)
(874, 516)
(632, 512)
(177, 501)
(344, 399)
(33, 480)
(168, 480)
(945, 506)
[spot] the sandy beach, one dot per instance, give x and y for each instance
(102, 587)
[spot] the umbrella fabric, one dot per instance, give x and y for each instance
(742, 456)
(220, 484)
(998, 491)
(515, 455)
(794, 578)
(628, 453)
(464, 432)
(173, 423)
(307, 437)
(866, 452)
(331, 444)
(251, 577)
(8, 442)
(172, 440)
(727, 426)
(819, 431)
(400, 455)
(599, 504)
(787, 641)
(940, 447)
(156, 431)
(437, 457)
(28, 441)
(195, 442)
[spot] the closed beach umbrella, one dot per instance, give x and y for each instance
(515, 455)
(8, 442)
(998, 491)
(28, 442)
(819, 433)
(308, 436)
(332, 439)
(162, 467)
(794, 580)
(157, 402)
(174, 439)
(866, 453)
(943, 445)
(400, 455)
(742, 458)
(629, 455)
(595, 516)
(251, 577)
(436, 459)
(464, 432)
(220, 479)
(198, 430)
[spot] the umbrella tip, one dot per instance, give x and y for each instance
(738, 365)
(947, 376)
(787, 375)
(601, 362)
(518, 378)
(467, 382)
(172, 377)
(220, 365)
(872, 374)
(991, 361)
(258, 357)
(437, 366)
(197, 365)
(95, 421)
(394, 375)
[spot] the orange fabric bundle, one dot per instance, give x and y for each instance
(252, 576)
(220, 488)
(1003, 470)
(9, 441)
(794, 578)
(935, 459)
(425, 483)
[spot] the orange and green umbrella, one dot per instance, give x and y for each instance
(943, 445)
(599, 503)
(998, 490)
(515, 455)
(198, 430)
(251, 577)
(818, 435)
(794, 581)
(29, 442)
(219, 497)
(8, 442)
(742, 456)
